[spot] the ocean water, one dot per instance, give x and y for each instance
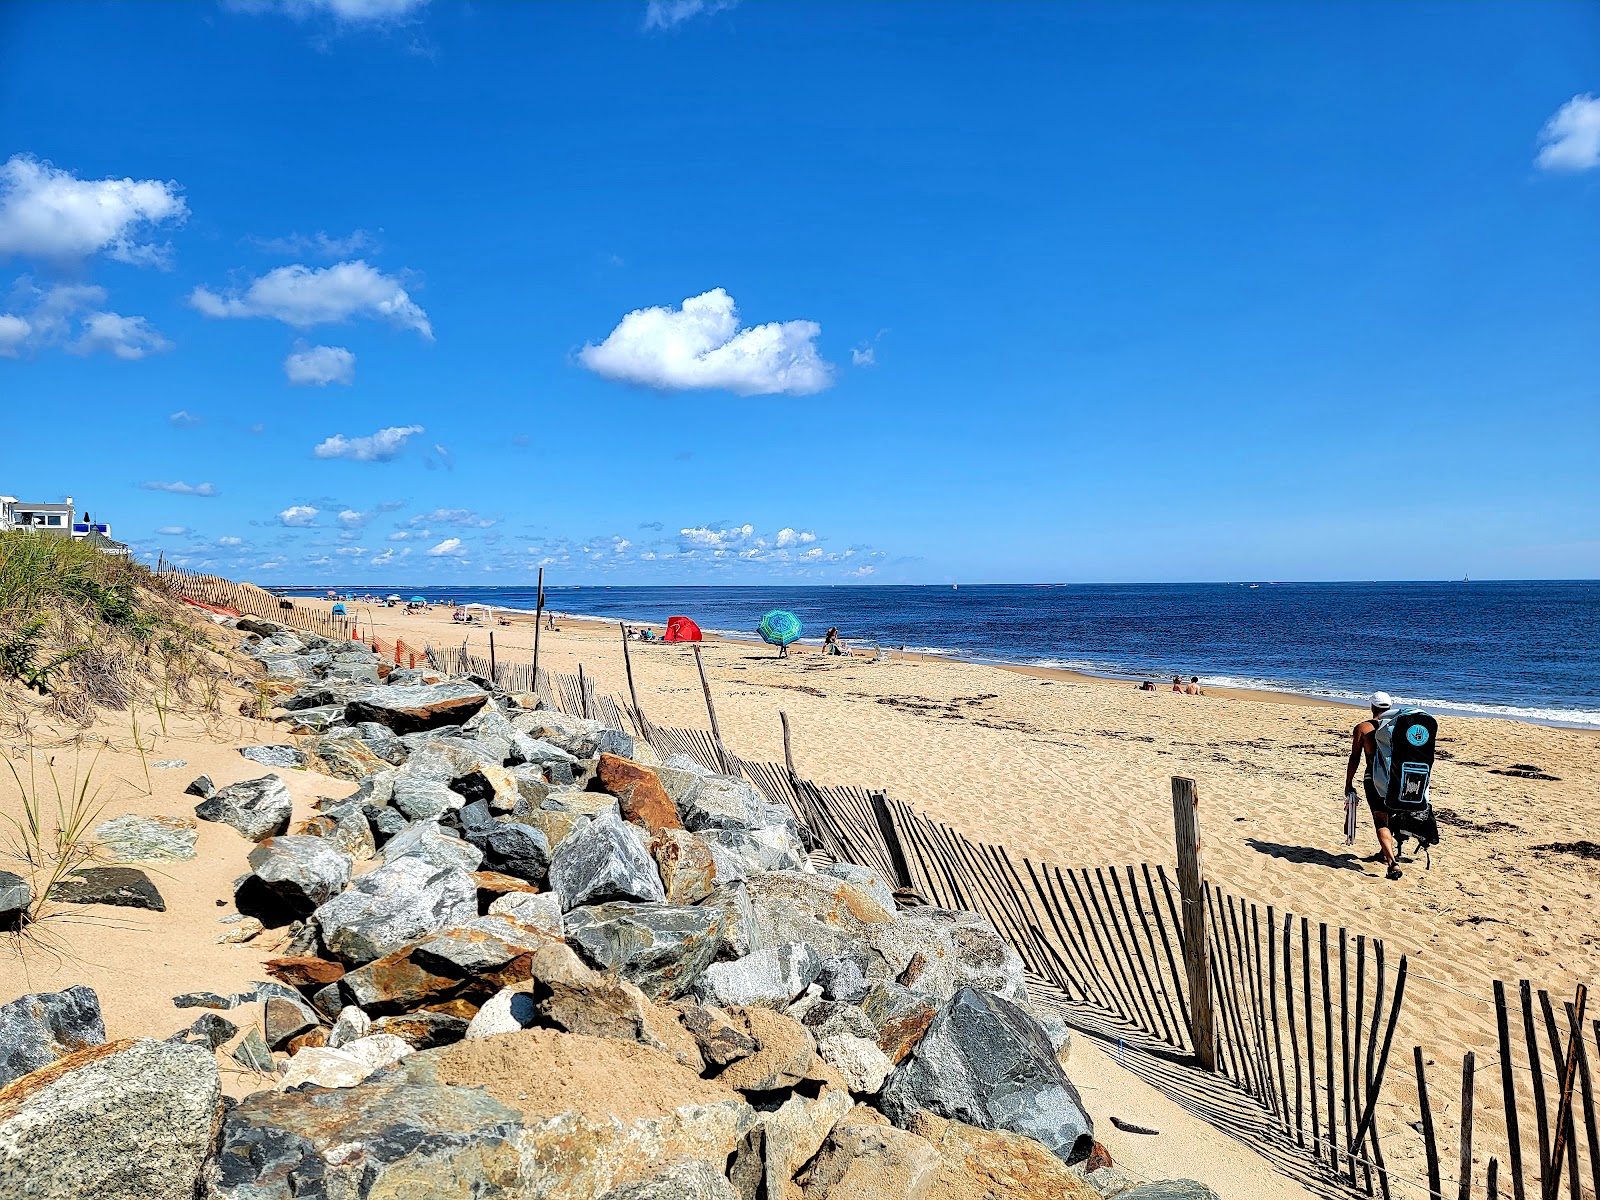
(1527, 650)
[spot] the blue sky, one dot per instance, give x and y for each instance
(387, 291)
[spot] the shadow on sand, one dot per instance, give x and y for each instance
(1306, 854)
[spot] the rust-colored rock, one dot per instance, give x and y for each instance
(452, 972)
(995, 1164)
(720, 1041)
(492, 885)
(304, 971)
(687, 870)
(900, 1016)
(310, 1038)
(639, 793)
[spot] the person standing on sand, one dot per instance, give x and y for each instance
(1364, 741)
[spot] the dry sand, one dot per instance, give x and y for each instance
(1056, 766)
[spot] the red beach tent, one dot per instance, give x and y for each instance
(681, 629)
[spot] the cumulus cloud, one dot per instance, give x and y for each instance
(664, 14)
(703, 537)
(230, 541)
(700, 345)
(304, 296)
(462, 517)
(67, 315)
(51, 214)
(787, 537)
(446, 548)
(318, 366)
(1570, 140)
(352, 519)
(378, 447)
(180, 488)
(298, 516)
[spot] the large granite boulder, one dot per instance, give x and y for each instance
(130, 1118)
(605, 860)
(662, 948)
(864, 1159)
(643, 800)
(41, 1027)
(454, 970)
(290, 876)
(688, 870)
(999, 1165)
(831, 916)
(771, 977)
(512, 848)
(427, 841)
(258, 808)
(394, 905)
(415, 707)
(986, 1062)
(944, 950)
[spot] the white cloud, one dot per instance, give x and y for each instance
(1570, 140)
(705, 538)
(48, 315)
(173, 530)
(129, 338)
(318, 244)
(51, 214)
(305, 296)
(384, 559)
(180, 488)
(317, 366)
(444, 549)
(298, 516)
(794, 537)
(463, 517)
(351, 519)
(351, 551)
(378, 447)
(863, 356)
(664, 14)
(183, 419)
(230, 541)
(700, 345)
(353, 12)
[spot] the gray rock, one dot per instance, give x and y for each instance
(386, 822)
(944, 950)
(202, 787)
(123, 887)
(1169, 1189)
(514, 849)
(769, 978)
(425, 840)
(537, 910)
(275, 756)
(129, 1120)
(379, 1139)
(290, 876)
(690, 1179)
(660, 948)
(868, 880)
(284, 1018)
(408, 709)
(380, 739)
(394, 905)
(829, 1018)
(740, 853)
(350, 831)
(421, 796)
(722, 802)
(578, 737)
(209, 1030)
(302, 720)
(39, 1028)
(253, 1054)
(858, 1059)
(134, 838)
(732, 900)
(15, 897)
(350, 1024)
(606, 860)
(834, 918)
(986, 1062)
(257, 808)
(844, 978)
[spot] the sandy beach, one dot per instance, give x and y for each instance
(1076, 771)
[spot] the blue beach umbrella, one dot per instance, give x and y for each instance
(779, 628)
(418, 600)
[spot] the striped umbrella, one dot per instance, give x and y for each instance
(779, 628)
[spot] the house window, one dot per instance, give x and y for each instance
(54, 519)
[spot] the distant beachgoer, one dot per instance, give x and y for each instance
(1147, 686)
(830, 641)
(1364, 741)
(1192, 688)
(1177, 683)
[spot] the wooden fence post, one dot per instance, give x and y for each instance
(583, 693)
(494, 674)
(538, 612)
(788, 750)
(1569, 1073)
(1191, 881)
(711, 709)
(633, 695)
(891, 840)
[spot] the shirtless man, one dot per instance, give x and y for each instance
(1363, 741)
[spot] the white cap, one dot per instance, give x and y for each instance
(1382, 700)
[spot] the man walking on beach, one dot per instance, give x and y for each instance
(1364, 741)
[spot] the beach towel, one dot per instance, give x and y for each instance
(1352, 811)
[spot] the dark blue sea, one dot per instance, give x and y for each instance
(1527, 650)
